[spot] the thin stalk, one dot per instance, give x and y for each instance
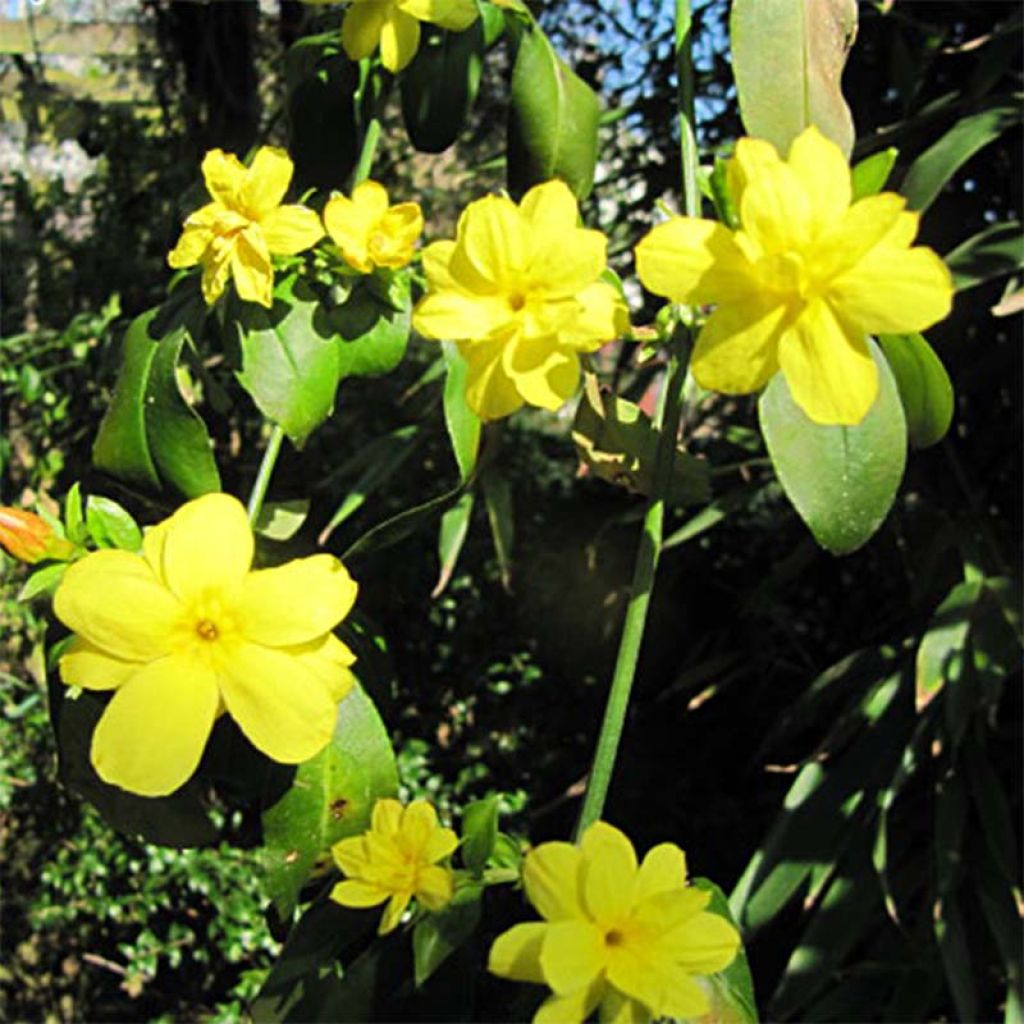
(262, 481)
(370, 139)
(666, 421)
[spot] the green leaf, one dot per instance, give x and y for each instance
(841, 480)
(943, 650)
(870, 174)
(553, 120)
(732, 990)
(451, 537)
(718, 184)
(74, 519)
(372, 334)
(924, 386)
(331, 797)
(462, 423)
(439, 86)
(995, 252)
(479, 833)
(43, 581)
(788, 58)
(110, 525)
(940, 161)
(500, 516)
(289, 367)
(281, 520)
(437, 936)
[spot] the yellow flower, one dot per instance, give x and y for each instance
(29, 538)
(520, 290)
(185, 631)
(628, 939)
(802, 282)
(369, 232)
(395, 861)
(395, 26)
(236, 234)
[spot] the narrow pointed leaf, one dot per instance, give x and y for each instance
(924, 386)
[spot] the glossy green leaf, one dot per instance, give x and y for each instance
(479, 833)
(940, 161)
(437, 936)
(553, 120)
(788, 58)
(110, 525)
(462, 423)
(439, 86)
(331, 797)
(372, 333)
(74, 515)
(451, 537)
(943, 650)
(924, 386)
(721, 196)
(731, 990)
(870, 174)
(290, 368)
(995, 252)
(841, 480)
(281, 520)
(43, 582)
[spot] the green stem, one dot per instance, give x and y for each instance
(370, 139)
(262, 481)
(667, 423)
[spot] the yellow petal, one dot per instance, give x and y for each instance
(266, 182)
(776, 210)
(190, 248)
(828, 367)
(353, 892)
(216, 270)
(515, 954)
(151, 735)
(282, 707)
(571, 955)
(869, 222)
(350, 855)
(550, 209)
(543, 376)
(224, 175)
(567, 265)
(370, 198)
(608, 871)
(393, 912)
(894, 291)
(617, 1008)
(455, 15)
(207, 546)
(601, 317)
(251, 267)
(399, 40)
(663, 870)
(349, 226)
(752, 156)
(296, 602)
(435, 258)
(492, 243)
(328, 659)
(551, 880)
(393, 244)
(737, 349)
(86, 665)
(570, 1009)
(662, 987)
(419, 819)
(456, 315)
(691, 260)
(490, 391)
(825, 175)
(360, 31)
(113, 600)
(434, 887)
(291, 229)
(704, 944)
(387, 816)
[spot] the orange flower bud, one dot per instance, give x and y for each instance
(26, 536)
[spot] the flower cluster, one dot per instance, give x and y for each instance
(186, 631)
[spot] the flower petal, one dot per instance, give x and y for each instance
(692, 260)
(434, 887)
(419, 820)
(399, 40)
(329, 660)
(291, 229)
(602, 316)
(515, 954)
(349, 226)
(571, 1009)
(490, 392)
(282, 707)
(387, 816)
(869, 222)
(703, 944)
(822, 169)
(551, 880)
(776, 211)
(551, 210)
(86, 665)
(492, 243)
(609, 868)
(454, 15)
(151, 735)
(393, 912)
(749, 160)
(354, 892)
(664, 988)
(571, 955)
(458, 316)
(266, 182)
(216, 269)
(224, 175)
(543, 376)
(208, 545)
(251, 267)
(663, 870)
(436, 258)
(191, 247)
(296, 602)
(737, 349)
(360, 31)
(113, 600)
(394, 242)
(828, 367)
(350, 855)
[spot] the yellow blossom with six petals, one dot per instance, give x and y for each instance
(186, 630)
(626, 938)
(396, 860)
(370, 232)
(394, 25)
(237, 234)
(520, 290)
(802, 282)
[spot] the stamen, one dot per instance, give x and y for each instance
(207, 629)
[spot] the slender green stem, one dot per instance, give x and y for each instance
(370, 139)
(262, 481)
(667, 421)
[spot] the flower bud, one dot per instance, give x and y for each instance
(26, 536)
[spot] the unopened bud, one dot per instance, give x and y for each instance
(27, 537)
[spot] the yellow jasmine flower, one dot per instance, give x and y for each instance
(395, 861)
(394, 25)
(236, 234)
(624, 938)
(803, 280)
(369, 232)
(29, 538)
(519, 289)
(187, 630)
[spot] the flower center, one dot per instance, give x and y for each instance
(517, 300)
(614, 938)
(207, 630)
